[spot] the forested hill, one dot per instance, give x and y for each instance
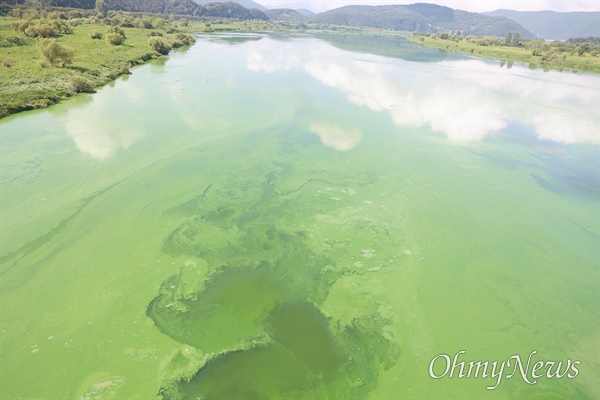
(554, 25)
(180, 7)
(286, 14)
(422, 18)
(305, 12)
(81, 4)
(246, 3)
(187, 7)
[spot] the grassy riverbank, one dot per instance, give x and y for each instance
(28, 81)
(536, 53)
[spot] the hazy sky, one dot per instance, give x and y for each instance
(468, 5)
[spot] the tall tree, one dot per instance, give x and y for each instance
(516, 39)
(102, 8)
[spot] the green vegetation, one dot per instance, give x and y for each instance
(75, 59)
(46, 60)
(54, 52)
(580, 54)
(159, 45)
(171, 7)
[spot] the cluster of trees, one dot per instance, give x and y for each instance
(513, 40)
(55, 23)
(591, 41)
(41, 28)
(54, 54)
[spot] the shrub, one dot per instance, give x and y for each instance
(33, 14)
(155, 33)
(115, 39)
(143, 24)
(17, 13)
(96, 35)
(53, 52)
(39, 29)
(158, 23)
(74, 14)
(124, 69)
(61, 26)
(185, 39)
(117, 30)
(8, 62)
(42, 103)
(81, 85)
(158, 45)
(11, 41)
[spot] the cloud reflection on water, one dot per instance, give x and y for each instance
(466, 100)
(336, 137)
(98, 135)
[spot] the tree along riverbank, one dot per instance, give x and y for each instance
(50, 56)
(577, 54)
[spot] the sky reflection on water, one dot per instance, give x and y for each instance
(464, 99)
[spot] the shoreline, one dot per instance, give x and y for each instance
(538, 55)
(28, 81)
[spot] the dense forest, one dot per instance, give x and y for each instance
(179, 7)
(186, 7)
(421, 17)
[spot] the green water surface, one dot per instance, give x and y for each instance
(295, 217)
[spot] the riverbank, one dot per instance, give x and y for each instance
(29, 81)
(548, 56)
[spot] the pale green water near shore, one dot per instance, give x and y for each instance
(294, 217)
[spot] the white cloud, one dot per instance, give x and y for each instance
(282, 59)
(465, 100)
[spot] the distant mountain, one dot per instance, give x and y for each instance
(421, 17)
(554, 25)
(305, 12)
(245, 3)
(285, 14)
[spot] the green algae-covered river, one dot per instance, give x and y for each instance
(331, 217)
